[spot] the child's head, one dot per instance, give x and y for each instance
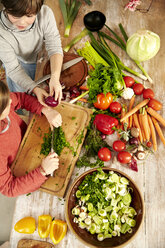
(19, 8)
(4, 100)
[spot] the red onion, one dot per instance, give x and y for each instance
(50, 101)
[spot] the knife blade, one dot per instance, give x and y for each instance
(65, 66)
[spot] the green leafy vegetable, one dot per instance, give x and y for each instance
(59, 142)
(104, 79)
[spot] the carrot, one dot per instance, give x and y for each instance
(135, 118)
(158, 129)
(156, 115)
(131, 103)
(135, 109)
(83, 87)
(123, 113)
(141, 126)
(153, 133)
(82, 100)
(145, 124)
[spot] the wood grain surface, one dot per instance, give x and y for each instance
(30, 243)
(151, 175)
(75, 120)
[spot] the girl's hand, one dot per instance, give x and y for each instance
(54, 118)
(49, 164)
(55, 88)
(40, 94)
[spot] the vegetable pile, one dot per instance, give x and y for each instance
(104, 205)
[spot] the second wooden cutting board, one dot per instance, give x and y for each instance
(75, 120)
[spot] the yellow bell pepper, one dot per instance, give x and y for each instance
(44, 224)
(58, 230)
(26, 225)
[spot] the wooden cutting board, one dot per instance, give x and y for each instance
(75, 120)
(30, 243)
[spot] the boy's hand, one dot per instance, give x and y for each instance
(55, 89)
(40, 94)
(54, 118)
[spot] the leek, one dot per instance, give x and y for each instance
(83, 33)
(69, 11)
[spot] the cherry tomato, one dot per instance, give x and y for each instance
(149, 144)
(138, 89)
(148, 93)
(115, 107)
(155, 104)
(103, 101)
(129, 81)
(118, 145)
(124, 157)
(104, 154)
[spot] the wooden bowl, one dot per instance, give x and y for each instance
(75, 75)
(91, 240)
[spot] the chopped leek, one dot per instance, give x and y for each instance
(106, 217)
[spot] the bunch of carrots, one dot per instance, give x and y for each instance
(146, 119)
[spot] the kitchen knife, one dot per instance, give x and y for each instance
(65, 66)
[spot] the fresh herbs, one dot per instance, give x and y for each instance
(59, 142)
(104, 79)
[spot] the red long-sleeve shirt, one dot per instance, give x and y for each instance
(9, 144)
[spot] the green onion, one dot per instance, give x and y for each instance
(69, 11)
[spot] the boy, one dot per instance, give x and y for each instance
(25, 25)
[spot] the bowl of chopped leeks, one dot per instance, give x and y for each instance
(104, 208)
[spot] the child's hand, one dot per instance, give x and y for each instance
(54, 118)
(49, 164)
(55, 89)
(40, 94)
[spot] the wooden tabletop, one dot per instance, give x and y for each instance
(151, 175)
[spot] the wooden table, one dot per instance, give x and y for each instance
(151, 175)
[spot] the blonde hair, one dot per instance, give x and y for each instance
(4, 96)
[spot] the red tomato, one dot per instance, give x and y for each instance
(155, 104)
(149, 144)
(124, 157)
(129, 81)
(138, 89)
(103, 102)
(104, 154)
(115, 107)
(118, 145)
(148, 93)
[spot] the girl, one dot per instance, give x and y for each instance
(25, 25)
(12, 129)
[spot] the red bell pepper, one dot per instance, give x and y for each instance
(104, 123)
(103, 101)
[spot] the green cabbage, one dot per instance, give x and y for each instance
(143, 45)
